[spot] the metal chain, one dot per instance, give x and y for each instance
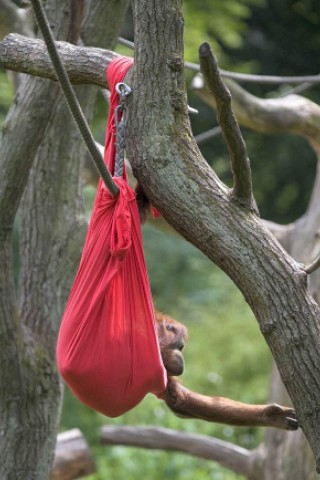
(120, 120)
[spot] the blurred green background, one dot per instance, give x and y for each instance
(226, 354)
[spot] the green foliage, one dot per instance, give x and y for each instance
(283, 166)
(135, 464)
(219, 22)
(296, 52)
(225, 356)
(283, 172)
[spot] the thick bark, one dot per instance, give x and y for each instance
(30, 389)
(50, 244)
(84, 65)
(285, 456)
(291, 456)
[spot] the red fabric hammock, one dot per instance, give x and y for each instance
(107, 349)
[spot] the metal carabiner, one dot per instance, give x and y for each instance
(120, 115)
(123, 89)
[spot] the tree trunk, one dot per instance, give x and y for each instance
(30, 390)
(290, 456)
(186, 191)
(51, 236)
(285, 456)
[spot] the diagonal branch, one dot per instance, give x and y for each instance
(313, 266)
(293, 113)
(238, 153)
(231, 456)
(84, 65)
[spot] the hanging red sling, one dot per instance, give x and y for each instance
(107, 349)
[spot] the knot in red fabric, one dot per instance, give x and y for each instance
(121, 232)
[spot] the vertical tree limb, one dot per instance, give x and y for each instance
(242, 188)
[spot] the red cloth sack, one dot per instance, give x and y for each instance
(107, 349)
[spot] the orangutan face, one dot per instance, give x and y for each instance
(172, 337)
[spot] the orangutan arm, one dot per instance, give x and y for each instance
(188, 404)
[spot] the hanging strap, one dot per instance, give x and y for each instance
(120, 120)
(71, 98)
(116, 73)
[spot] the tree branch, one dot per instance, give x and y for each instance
(238, 153)
(20, 355)
(72, 458)
(207, 135)
(292, 114)
(227, 454)
(313, 266)
(84, 65)
(247, 77)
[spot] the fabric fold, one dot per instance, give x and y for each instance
(107, 350)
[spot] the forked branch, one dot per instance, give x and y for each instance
(240, 164)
